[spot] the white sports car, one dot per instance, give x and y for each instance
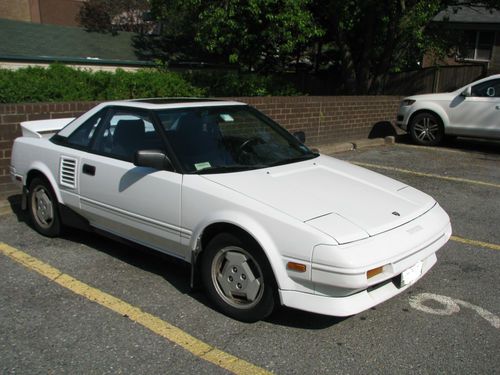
(471, 111)
(261, 219)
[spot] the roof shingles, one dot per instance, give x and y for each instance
(469, 14)
(31, 40)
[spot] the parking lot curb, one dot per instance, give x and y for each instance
(366, 143)
(359, 144)
(390, 140)
(5, 208)
(336, 148)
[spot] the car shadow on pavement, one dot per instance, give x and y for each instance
(288, 317)
(174, 271)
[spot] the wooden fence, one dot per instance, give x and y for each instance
(435, 79)
(428, 80)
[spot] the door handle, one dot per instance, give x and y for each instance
(88, 169)
(497, 107)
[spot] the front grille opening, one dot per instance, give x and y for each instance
(379, 285)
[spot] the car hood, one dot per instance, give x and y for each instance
(438, 96)
(342, 200)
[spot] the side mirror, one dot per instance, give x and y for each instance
(301, 136)
(467, 92)
(153, 159)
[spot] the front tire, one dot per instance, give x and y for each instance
(238, 278)
(426, 129)
(43, 208)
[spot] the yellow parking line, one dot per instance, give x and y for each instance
(151, 322)
(415, 173)
(466, 241)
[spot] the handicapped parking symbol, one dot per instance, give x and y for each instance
(449, 306)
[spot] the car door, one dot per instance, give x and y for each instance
(138, 203)
(478, 115)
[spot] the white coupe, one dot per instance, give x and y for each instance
(471, 111)
(262, 219)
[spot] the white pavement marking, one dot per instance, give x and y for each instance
(450, 306)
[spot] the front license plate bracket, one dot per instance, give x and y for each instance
(409, 276)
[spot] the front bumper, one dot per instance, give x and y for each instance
(403, 117)
(339, 273)
(352, 304)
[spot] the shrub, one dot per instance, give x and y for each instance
(62, 83)
(223, 83)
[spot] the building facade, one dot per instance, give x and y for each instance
(52, 12)
(479, 29)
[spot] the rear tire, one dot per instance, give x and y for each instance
(426, 129)
(43, 208)
(238, 278)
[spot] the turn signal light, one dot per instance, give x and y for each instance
(374, 272)
(298, 267)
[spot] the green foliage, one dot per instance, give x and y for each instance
(360, 41)
(255, 34)
(220, 83)
(61, 83)
(255, 30)
(415, 36)
(370, 38)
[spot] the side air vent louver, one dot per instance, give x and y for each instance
(67, 172)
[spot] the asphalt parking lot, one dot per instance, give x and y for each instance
(86, 304)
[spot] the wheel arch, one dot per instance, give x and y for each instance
(246, 228)
(216, 228)
(40, 170)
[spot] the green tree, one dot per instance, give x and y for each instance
(255, 34)
(364, 40)
(370, 38)
(359, 40)
(178, 23)
(259, 34)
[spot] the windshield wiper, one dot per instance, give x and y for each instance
(312, 155)
(228, 168)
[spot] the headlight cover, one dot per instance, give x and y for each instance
(407, 102)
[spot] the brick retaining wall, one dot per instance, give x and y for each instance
(325, 119)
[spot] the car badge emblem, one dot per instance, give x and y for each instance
(395, 213)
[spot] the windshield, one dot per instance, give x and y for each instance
(228, 139)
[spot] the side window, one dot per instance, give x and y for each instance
(125, 133)
(487, 89)
(84, 133)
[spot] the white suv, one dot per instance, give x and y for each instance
(471, 111)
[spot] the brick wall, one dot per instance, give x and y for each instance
(325, 119)
(328, 119)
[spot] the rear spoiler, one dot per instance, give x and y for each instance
(44, 128)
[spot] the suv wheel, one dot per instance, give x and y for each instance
(426, 129)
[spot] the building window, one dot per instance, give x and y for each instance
(478, 45)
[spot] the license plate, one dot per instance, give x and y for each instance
(411, 274)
